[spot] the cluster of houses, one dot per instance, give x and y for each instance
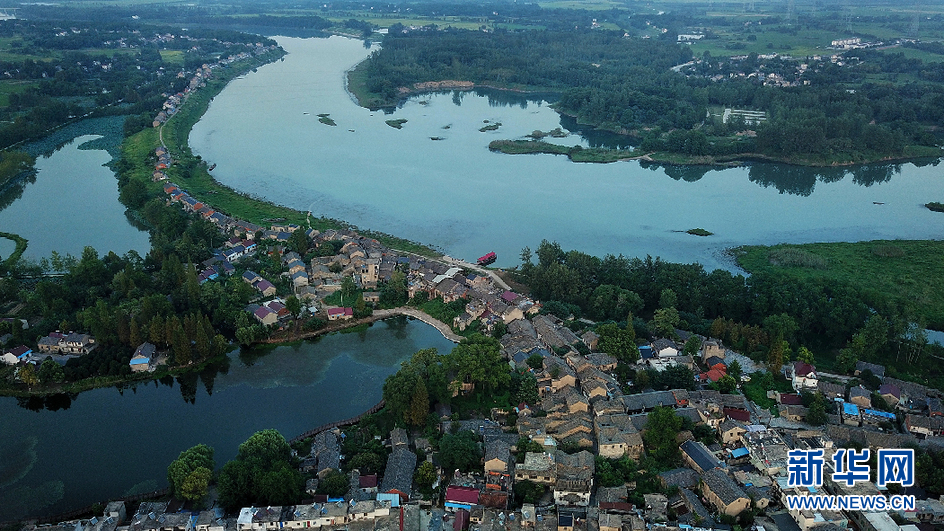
(364, 260)
(174, 101)
(58, 345)
(876, 412)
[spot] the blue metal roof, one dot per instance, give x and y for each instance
(884, 414)
(740, 452)
(849, 408)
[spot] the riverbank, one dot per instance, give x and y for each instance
(21, 244)
(200, 184)
(378, 315)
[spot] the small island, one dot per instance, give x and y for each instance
(490, 127)
(325, 119)
(935, 206)
(574, 153)
(397, 124)
(699, 232)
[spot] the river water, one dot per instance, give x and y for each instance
(68, 452)
(263, 133)
(72, 201)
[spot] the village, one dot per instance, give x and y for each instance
(736, 466)
(734, 451)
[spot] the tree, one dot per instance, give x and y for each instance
(334, 484)
(780, 326)
(816, 415)
(727, 384)
(618, 342)
(27, 375)
(664, 321)
(293, 305)
(196, 485)
(499, 330)
(180, 469)
(775, 356)
(298, 242)
(734, 369)
(399, 388)
(419, 405)
(668, 299)
(477, 360)
(459, 451)
(535, 361)
(425, 477)
(661, 428)
(50, 372)
(528, 491)
(524, 388)
(394, 292)
(805, 355)
(692, 345)
(266, 446)
(348, 289)
(262, 473)
(367, 463)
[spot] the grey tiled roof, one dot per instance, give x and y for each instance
(399, 472)
(723, 486)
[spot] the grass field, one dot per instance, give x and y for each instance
(174, 57)
(12, 86)
(908, 272)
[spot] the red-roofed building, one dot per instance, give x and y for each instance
(462, 520)
(265, 316)
(368, 482)
(335, 314)
(803, 375)
(791, 399)
(711, 376)
(458, 497)
(737, 414)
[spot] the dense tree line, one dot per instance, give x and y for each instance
(824, 310)
(627, 85)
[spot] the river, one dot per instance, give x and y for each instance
(456, 195)
(67, 452)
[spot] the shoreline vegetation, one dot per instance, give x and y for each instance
(137, 153)
(139, 148)
(668, 131)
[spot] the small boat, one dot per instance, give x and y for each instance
(877, 203)
(212, 167)
(488, 259)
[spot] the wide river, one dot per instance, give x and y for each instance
(67, 452)
(263, 133)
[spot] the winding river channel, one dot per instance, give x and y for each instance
(264, 135)
(434, 181)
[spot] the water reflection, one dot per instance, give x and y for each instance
(53, 402)
(14, 190)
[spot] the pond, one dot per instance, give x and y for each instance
(66, 452)
(72, 200)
